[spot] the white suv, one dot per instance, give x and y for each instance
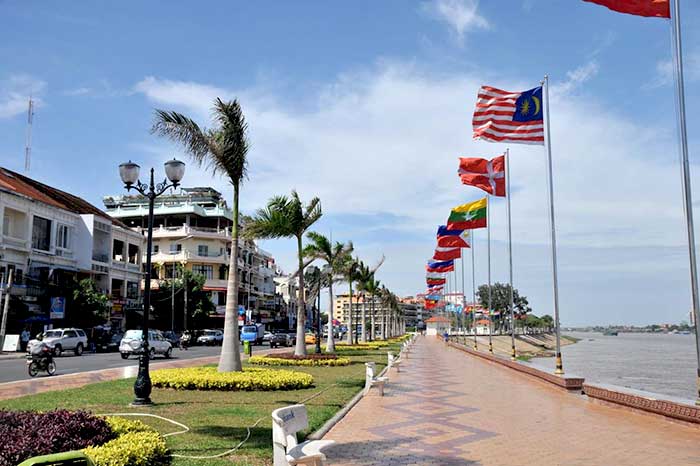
(63, 339)
(133, 340)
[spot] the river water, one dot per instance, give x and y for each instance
(659, 363)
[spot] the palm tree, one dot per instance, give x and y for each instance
(335, 256)
(364, 277)
(222, 150)
(372, 287)
(350, 270)
(287, 217)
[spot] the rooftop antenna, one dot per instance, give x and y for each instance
(28, 146)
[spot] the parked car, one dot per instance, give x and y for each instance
(133, 341)
(310, 338)
(282, 339)
(267, 336)
(62, 339)
(211, 337)
(109, 342)
(253, 333)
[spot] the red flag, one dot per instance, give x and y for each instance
(489, 175)
(650, 8)
(443, 254)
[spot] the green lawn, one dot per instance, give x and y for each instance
(218, 420)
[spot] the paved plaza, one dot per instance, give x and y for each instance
(448, 408)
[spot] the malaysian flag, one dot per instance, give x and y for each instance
(515, 117)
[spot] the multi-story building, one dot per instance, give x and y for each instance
(414, 311)
(192, 230)
(50, 238)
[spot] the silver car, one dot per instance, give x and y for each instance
(132, 343)
(62, 339)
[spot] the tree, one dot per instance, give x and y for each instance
(199, 305)
(364, 277)
(372, 287)
(88, 307)
(500, 301)
(350, 269)
(222, 150)
(335, 256)
(287, 217)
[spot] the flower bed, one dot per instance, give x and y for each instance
(361, 346)
(26, 434)
(107, 441)
(289, 359)
(136, 444)
(208, 378)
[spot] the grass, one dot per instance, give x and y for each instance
(217, 420)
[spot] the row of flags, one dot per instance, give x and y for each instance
(518, 118)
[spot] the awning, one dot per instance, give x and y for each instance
(214, 288)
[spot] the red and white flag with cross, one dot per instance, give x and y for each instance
(489, 175)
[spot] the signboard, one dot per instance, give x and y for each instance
(241, 310)
(11, 343)
(58, 308)
(117, 311)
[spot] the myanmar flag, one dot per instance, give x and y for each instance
(468, 216)
(650, 8)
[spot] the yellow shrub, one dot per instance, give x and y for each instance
(208, 378)
(137, 444)
(270, 361)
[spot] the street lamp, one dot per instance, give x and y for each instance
(129, 173)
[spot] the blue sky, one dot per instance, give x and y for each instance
(367, 104)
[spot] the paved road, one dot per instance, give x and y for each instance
(448, 408)
(15, 369)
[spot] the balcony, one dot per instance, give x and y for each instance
(15, 243)
(195, 232)
(103, 258)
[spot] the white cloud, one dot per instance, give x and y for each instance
(386, 140)
(460, 15)
(15, 92)
(664, 71)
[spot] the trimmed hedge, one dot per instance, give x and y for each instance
(272, 361)
(26, 434)
(137, 444)
(208, 378)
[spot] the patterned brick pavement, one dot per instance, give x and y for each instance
(448, 408)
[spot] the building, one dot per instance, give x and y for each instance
(50, 239)
(437, 325)
(413, 309)
(192, 229)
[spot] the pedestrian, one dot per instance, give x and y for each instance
(24, 339)
(446, 336)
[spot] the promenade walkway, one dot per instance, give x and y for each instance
(448, 408)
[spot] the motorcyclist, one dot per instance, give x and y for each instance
(185, 339)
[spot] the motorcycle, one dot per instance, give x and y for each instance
(40, 358)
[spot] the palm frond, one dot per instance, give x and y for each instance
(231, 140)
(179, 128)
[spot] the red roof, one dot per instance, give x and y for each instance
(437, 319)
(32, 189)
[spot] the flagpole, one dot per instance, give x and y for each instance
(464, 303)
(510, 259)
(473, 244)
(488, 254)
(685, 174)
(559, 369)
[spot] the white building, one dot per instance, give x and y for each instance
(50, 237)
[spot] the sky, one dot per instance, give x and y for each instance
(368, 105)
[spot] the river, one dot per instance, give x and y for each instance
(659, 363)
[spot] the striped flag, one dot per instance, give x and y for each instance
(442, 254)
(515, 117)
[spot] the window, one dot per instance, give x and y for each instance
(132, 290)
(118, 250)
(155, 249)
(6, 225)
(70, 334)
(133, 254)
(63, 237)
(41, 234)
(175, 248)
(202, 250)
(206, 270)
(223, 272)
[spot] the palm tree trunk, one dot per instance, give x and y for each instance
(330, 344)
(364, 320)
(230, 359)
(300, 348)
(371, 318)
(384, 321)
(350, 328)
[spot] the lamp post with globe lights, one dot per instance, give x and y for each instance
(129, 173)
